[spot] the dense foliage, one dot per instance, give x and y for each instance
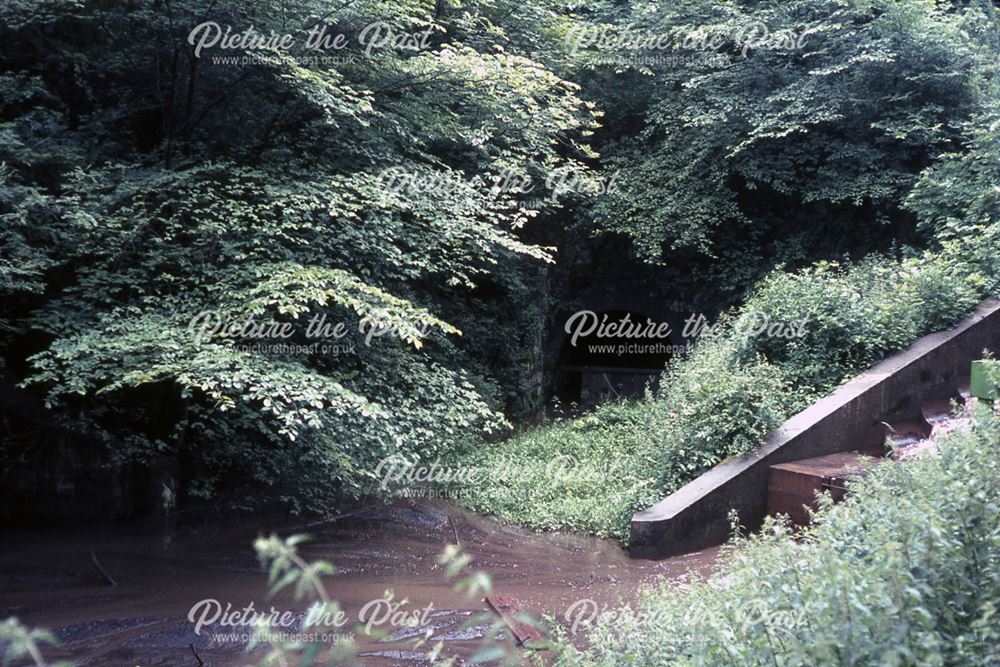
(798, 135)
(275, 266)
(445, 184)
(724, 398)
(905, 572)
(147, 182)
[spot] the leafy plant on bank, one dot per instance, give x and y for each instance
(288, 568)
(19, 643)
(905, 572)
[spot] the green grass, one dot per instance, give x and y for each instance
(584, 475)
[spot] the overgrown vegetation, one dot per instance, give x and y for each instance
(146, 183)
(726, 397)
(905, 572)
(287, 568)
(733, 390)
(438, 197)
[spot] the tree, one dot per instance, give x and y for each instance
(784, 130)
(154, 178)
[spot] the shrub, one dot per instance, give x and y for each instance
(935, 290)
(905, 572)
(852, 316)
(846, 323)
(716, 407)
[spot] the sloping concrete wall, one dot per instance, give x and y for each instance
(695, 516)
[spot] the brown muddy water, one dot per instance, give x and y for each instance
(49, 579)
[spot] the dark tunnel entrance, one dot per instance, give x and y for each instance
(609, 355)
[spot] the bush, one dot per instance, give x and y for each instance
(905, 572)
(855, 315)
(846, 323)
(935, 290)
(717, 407)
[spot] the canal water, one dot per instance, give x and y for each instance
(167, 580)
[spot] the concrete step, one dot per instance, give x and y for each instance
(795, 485)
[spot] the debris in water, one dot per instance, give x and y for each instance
(527, 635)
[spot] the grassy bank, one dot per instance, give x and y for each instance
(589, 474)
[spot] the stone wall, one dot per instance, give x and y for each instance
(696, 516)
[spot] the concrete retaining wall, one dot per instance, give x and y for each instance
(695, 516)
